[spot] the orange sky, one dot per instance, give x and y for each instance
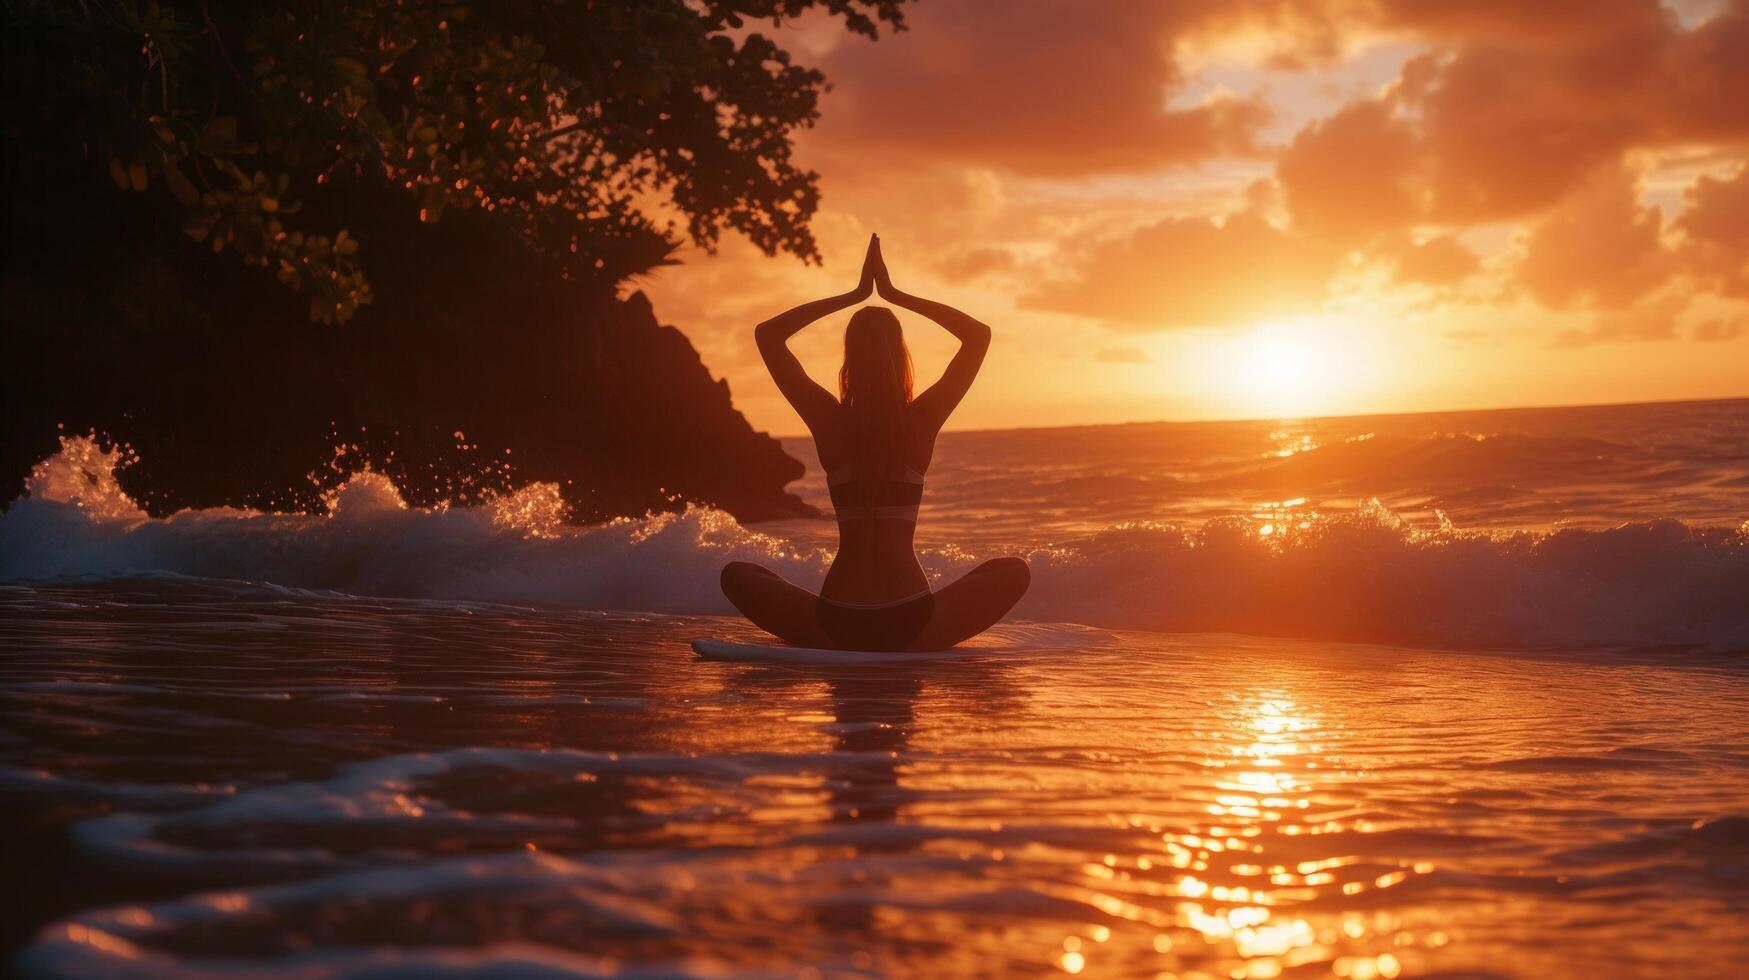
(1236, 208)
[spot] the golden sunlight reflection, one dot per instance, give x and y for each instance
(1288, 443)
(1249, 884)
(1282, 518)
(1207, 807)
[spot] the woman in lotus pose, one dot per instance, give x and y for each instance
(875, 442)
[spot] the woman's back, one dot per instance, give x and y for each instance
(876, 504)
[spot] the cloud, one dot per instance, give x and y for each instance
(1438, 261)
(1653, 320)
(1715, 224)
(1506, 115)
(1705, 73)
(1721, 328)
(1509, 131)
(974, 263)
(1185, 272)
(1513, 124)
(1542, 23)
(1035, 87)
(1122, 355)
(1600, 249)
(1514, 106)
(1353, 175)
(1510, 112)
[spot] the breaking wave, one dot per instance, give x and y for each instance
(1363, 575)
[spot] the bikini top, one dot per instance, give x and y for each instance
(888, 499)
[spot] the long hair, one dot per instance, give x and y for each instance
(874, 386)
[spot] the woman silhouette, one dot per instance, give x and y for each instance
(875, 442)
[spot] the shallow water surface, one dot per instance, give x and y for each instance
(205, 777)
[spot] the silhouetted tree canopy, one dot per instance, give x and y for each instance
(590, 129)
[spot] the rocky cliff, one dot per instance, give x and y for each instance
(474, 370)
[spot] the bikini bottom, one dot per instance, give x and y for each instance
(876, 625)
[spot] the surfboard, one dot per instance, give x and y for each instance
(755, 653)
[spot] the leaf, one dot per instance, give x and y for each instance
(180, 185)
(435, 202)
(219, 138)
(137, 175)
(118, 172)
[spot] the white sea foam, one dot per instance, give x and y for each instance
(383, 796)
(1354, 576)
(116, 941)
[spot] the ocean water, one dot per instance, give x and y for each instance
(1444, 695)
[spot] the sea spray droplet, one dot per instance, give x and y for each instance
(83, 474)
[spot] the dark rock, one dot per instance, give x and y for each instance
(117, 322)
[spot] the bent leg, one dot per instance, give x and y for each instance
(974, 603)
(785, 611)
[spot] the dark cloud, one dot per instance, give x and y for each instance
(1599, 249)
(1515, 106)
(1353, 175)
(1509, 131)
(1704, 95)
(1528, 112)
(1542, 23)
(1035, 87)
(1513, 112)
(1438, 261)
(1715, 224)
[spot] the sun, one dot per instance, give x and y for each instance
(1286, 368)
(1278, 366)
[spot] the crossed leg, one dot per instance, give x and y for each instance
(974, 603)
(786, 611)
(963, 609)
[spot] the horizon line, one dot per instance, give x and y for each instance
(1320, 418)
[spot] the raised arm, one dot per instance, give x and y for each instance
(812, 402)
(937, 403)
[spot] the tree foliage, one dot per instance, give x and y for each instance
(598, 132)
